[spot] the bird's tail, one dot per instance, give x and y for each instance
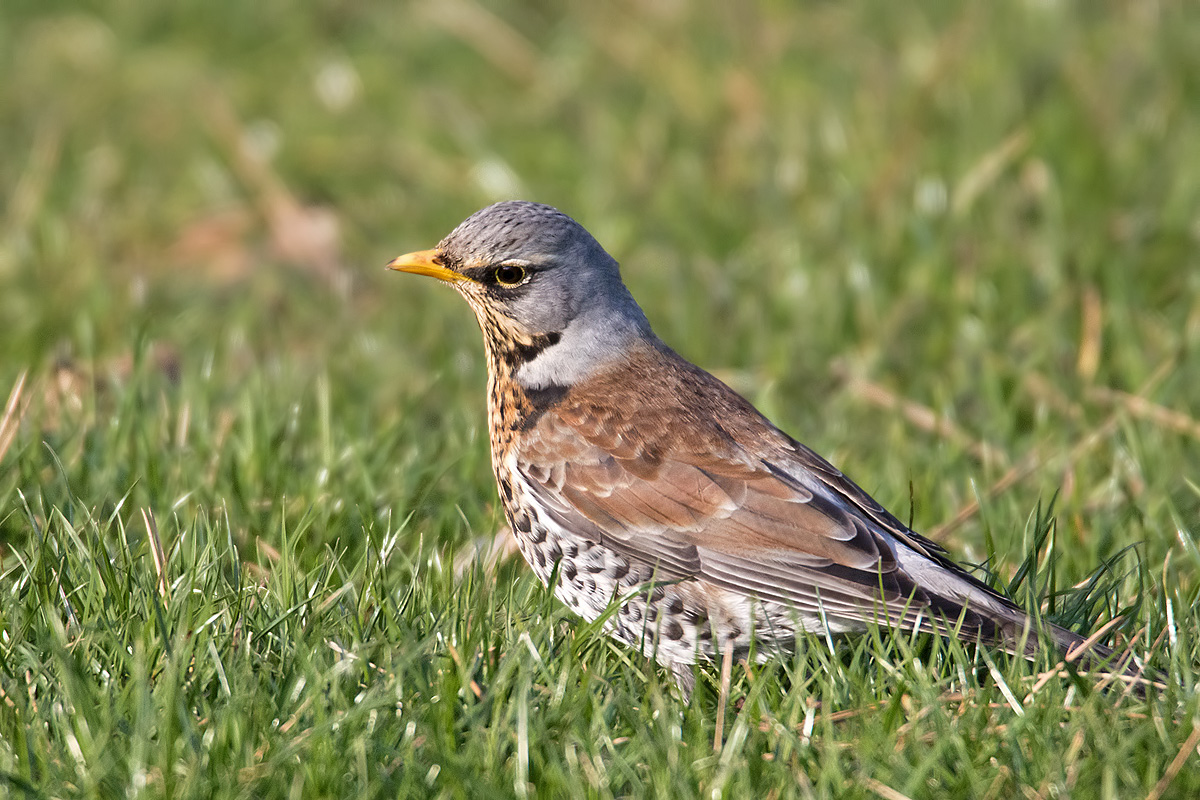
(1077, 653)
(999, 622)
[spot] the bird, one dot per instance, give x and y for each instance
(631, 477)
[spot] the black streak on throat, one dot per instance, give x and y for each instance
(524, 353)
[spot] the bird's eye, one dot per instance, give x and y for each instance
(509, 275)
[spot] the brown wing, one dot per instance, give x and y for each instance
(698, 483)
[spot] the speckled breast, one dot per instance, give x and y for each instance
(675, 621)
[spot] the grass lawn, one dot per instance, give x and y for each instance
(953, 247)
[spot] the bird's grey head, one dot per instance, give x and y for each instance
(543, 289)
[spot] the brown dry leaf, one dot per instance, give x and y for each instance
(219, 243)
(304, 236)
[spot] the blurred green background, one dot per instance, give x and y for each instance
(991, 213)
(955, 247)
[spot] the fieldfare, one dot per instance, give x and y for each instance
(631, 475)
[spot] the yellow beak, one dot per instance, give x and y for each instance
(424, 262)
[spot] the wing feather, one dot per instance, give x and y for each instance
(699, 484)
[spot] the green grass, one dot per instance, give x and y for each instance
(952, 247)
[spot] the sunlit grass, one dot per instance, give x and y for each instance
(952, 248)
